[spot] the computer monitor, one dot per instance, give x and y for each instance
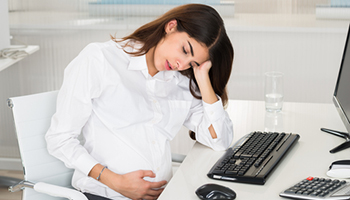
(341, 97)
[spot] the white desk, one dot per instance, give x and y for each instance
(309, 157)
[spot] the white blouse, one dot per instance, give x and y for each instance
(126, 116)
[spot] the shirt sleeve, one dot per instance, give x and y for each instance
(202, 116)
(81, 84)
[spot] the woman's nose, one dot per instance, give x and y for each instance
(183, 65)
(179, 65)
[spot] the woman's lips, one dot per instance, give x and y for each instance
(168, 66)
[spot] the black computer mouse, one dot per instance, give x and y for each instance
(212, 191)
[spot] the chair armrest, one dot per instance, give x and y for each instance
(58, 191)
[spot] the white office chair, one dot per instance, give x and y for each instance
(47, 175)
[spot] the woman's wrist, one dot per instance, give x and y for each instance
(111, 179)
(99, 176)
(106, 176)
(206, 90)
(95, 171)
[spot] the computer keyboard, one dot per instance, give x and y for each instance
(314, 188)
(253, 157)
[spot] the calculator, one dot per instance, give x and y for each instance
(316, 188)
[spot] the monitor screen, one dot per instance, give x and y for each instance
(341, 96)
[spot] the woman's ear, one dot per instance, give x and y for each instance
(171, 26)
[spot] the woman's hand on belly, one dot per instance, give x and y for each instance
(133, 186)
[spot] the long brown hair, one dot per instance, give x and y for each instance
(204, 24)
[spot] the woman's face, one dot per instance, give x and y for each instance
(178, 51)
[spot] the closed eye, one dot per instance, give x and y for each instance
(194, 64)
(183, 49)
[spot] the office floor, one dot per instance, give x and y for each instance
(4, 193)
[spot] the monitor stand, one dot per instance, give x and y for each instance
(342, 146)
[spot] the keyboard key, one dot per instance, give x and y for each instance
(233, 172)
(291, 191)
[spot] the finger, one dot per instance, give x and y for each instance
(155, 193)
(148, 197)
(207, 64)
(148, 173)
(158, 184)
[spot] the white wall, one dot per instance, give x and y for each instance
(309, 58)
(5, 29)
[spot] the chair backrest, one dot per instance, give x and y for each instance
(32, 116)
